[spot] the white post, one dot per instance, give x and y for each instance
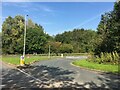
(62, 55)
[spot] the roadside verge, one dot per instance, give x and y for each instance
(96, 67)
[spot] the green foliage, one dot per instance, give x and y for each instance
(81, 40)
(13, 32)
(12, 35)
(66, 48)
(35, 40)
(54, 47)
(106, 39)
(58, 47)
(112, 58)
(109, 31)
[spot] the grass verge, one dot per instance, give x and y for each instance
(15, 59)
(95, 66)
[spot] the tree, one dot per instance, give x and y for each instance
(30, 24)
(66, 48)
(109, 31)
(81, 40)
(13, 32)
(35, 40)
(54, 47)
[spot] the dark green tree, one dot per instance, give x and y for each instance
(35, 40)
(13, 34)
(109, 31)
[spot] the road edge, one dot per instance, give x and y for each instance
(94, 70)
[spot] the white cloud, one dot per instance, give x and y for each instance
(47, 9)
(17, 4)
(30, 6)
(44, 8)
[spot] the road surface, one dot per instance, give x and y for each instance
(56, 73)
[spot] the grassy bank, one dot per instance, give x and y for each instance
(15, 59)
(102, 67)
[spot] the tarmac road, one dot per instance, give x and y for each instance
(57, 73)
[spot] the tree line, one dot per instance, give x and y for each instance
(81, 40)
(105, 39)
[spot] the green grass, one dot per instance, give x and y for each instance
(102, 67)
(15, 59)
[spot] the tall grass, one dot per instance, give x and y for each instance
(112, 58)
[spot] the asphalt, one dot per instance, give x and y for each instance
(56, 73)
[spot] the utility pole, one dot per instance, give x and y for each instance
(23, 57)
(24, 37)
(49, 52)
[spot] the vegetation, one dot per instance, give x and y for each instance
(96, 66)
(13, 32)
(103, 43)
(109, 31)
(79, 39)
(105, 39)
(107, 49)
(109, 58)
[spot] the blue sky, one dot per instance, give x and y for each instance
(59, 17)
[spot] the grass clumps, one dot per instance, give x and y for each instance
(106, 58)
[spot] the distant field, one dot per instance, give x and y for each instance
(15, 59)
(102, 67)
(67, 54)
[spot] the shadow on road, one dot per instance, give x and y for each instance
(50, 77)
(111, 80)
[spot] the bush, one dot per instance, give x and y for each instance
(112, 58)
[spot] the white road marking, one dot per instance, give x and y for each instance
(29, 75)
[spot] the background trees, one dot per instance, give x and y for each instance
(78, 40)
(81, 40)
(105, 39)
(66, 48)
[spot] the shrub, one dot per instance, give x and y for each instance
(112, 58)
